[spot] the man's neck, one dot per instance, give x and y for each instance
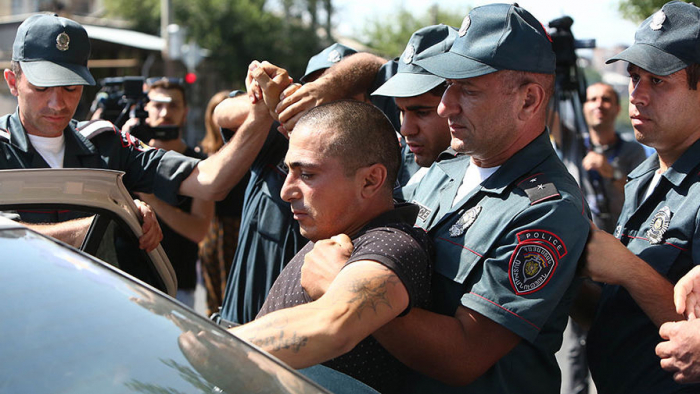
(370, 212)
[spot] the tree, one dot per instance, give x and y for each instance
(236, 32)
(388, 35)
(638, 10)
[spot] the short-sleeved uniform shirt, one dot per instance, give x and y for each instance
(268, 237)
(509, 251)
(98, 144)
(663, 231)
(391, 240)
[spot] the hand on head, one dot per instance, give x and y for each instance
(267, 82)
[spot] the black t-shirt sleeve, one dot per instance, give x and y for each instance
(402, 253)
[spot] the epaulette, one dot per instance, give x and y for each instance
(93, 128)
(4, 136)
(538, 188)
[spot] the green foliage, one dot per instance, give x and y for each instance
(236, 32)
(388, 34)
(638, 10)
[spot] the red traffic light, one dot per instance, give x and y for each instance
(190, 78)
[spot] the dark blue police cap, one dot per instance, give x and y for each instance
(52, 51)
(495, 37)
(326, 58)
(410, 79)
(666, 42)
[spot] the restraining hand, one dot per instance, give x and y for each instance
(323, 263)
(295, 103)
(272, 80)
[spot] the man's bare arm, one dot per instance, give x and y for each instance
(609, 261)
(71, 232)
(192, 225)
(214, 177)
(363, 297)
(351, 77)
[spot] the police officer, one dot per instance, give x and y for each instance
(508, 221)
(417, 94)
(47, 75)
(654, 243)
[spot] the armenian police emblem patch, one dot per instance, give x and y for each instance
(62, 42)
(534, 260)
(659, 224)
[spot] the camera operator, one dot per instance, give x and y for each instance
(185, 224)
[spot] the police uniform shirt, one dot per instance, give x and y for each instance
(268, 237)
(508, 251)
(99, 144)
(663, 231)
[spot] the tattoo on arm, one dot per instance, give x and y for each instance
(372, 292)
(281, 341)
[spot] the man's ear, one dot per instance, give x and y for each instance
(533, 96)
(11, 80)
(372, 178)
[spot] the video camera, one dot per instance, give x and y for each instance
(122, 98)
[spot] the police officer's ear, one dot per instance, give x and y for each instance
(372, 179)
(534, 100)
(11, 80)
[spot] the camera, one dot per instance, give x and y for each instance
(121, 98)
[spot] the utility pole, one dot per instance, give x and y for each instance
(166, 17)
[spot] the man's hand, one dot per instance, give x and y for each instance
(680, 354)
(598, 162)
(152, 233)
(295, 103)
(686, 294)
(272, 80)
(322, 264)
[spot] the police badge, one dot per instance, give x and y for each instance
(466, 220)
(657, 20)
(62, 42)
(659, 225)
(334, 56)
(465, 26)
(409, 53)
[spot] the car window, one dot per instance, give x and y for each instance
(108, 238)
(71, 325)
(111, 241)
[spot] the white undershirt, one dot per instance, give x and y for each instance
(652, 185)
(473, 178)
(52, 149)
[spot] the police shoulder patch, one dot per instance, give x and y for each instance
(534, 260)
(96, 127)
(538, 188)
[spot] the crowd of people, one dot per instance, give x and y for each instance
(412, 223)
